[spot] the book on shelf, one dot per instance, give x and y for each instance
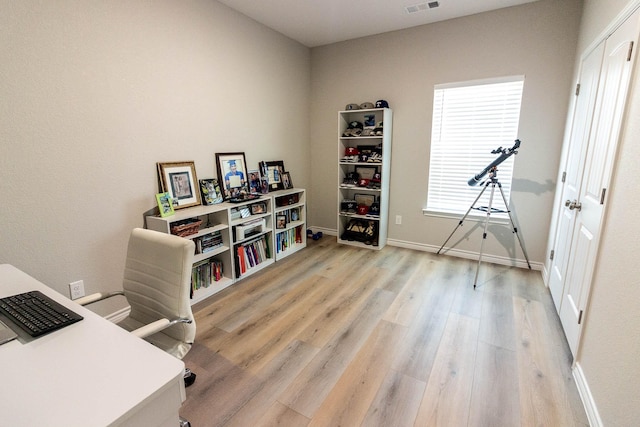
(288, 238)
(208, 242)
(206, 272)
(251, 254)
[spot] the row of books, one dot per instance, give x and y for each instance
(208, 242)
(251, 254)
(288, 238)
(205, 272)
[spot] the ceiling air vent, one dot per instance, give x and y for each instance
(422, 6)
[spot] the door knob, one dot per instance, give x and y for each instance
(573, 205)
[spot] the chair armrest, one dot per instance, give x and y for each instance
(98, 296)
(157, 326)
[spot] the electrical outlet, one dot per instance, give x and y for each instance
(398, 219)
(76, 289)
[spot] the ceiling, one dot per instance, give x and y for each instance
(319, 22)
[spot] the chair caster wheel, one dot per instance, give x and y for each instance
(189, 377)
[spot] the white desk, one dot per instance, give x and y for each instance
(91, 373)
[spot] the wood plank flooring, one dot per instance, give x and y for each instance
(340, 336)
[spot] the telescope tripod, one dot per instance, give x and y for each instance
(493, 182)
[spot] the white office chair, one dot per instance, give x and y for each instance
(157, 284)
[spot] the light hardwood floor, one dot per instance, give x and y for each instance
(339, 336)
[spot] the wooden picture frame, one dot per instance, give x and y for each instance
(273, 171)
(179, 179)
(232, 174)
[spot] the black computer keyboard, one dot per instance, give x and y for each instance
(36, 313)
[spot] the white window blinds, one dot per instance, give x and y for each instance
(469, 121)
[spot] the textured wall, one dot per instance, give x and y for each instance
(537, 40)
(94, 93)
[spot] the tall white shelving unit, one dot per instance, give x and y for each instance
(381, 161)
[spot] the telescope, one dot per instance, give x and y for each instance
(505, 153)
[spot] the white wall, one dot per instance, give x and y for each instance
(94, 93)
(537, 39)
(608, 354)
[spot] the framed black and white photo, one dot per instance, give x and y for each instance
(180, 181)
(232, 174)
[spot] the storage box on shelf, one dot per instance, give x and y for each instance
(364, 168)
(251, 225)
(290, 221)
(208, 227)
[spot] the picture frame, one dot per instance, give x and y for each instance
(255, 183)
(165, 204)
(210, 191)
(273, 171)
(258, 208)
(281, 221)
(179, 179)
(286, 180)
(232, 174)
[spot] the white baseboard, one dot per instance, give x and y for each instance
(521, 263)
(585, 395)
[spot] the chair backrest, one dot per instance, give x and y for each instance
(157, 284)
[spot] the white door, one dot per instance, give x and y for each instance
(588, 206)
(581, 124)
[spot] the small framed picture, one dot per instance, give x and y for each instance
(232, 174)
(180, 181)
(264, 185)
(255, 184)
(286, 180)
(281, 221)
(210, 191)
(295, 214)
(165, 204)
(258, 208)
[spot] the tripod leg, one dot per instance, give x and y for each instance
(464, 217)
(514, 229)
(484, 233)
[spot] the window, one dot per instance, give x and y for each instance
(469, 121)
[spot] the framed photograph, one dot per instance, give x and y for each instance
(180, 181)
(273, 171)
(286, 180)
(281, 221)
(264, 189)
(210, 191)
(255, 185)
(232, 174)
(258, 208)
(165, 204)
(366, 172)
